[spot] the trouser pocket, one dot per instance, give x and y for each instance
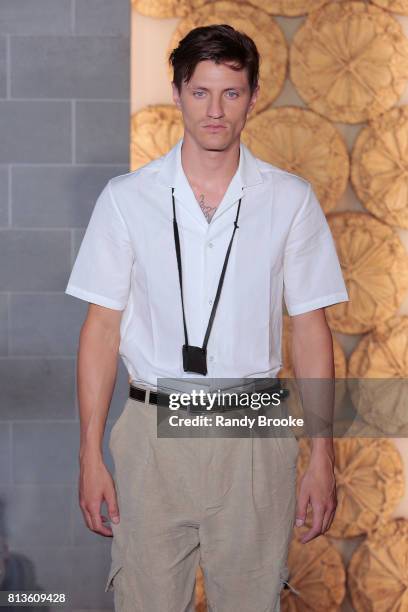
(111, 577)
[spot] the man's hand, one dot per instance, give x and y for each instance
(96, 485)
(318, 486)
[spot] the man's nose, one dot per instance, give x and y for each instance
(215, 109)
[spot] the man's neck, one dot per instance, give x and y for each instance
(209, 169)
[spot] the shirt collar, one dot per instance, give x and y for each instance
(171, 174)
(171, 170)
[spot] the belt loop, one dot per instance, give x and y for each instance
(147, 397)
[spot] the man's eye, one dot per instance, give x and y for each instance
(199, 94)
(232, 94)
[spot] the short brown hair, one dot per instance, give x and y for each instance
(219, 43)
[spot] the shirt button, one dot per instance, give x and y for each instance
(210, 245)
(210, 302)
(211, 357)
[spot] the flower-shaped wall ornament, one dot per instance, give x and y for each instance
(154, 131)
(379, 171)
(378, 377)
(374, 264)
(349, 61)
(395, 6)
(370, 483)
(316, 574)
(305, 143)
(377, 574)
(163, 9)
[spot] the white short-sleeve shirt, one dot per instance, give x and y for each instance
(282, 250)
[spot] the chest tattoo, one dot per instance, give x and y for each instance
(207, 210)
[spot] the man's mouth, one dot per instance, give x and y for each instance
(214, 127)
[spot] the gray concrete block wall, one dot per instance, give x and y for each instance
(64, 125)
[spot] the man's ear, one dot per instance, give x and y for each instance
(176, 95)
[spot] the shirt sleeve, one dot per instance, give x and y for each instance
(102, 270)
(312, 274)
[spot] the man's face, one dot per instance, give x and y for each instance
(215, 103)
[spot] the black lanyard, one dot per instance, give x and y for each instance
(194, 358)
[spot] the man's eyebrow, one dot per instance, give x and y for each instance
(226, 88)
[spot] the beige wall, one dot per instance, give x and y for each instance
(150, 84)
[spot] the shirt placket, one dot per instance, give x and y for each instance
(215, 248)
(209, 291)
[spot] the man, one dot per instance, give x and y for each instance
(229, 503)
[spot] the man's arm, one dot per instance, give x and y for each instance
(96, 375)
(312, 357)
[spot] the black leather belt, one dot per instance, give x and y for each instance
(138, 393)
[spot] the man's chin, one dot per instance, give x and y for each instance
(215, 144)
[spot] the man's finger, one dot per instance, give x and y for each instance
(98, 526)
(318, 513)
(326, 518)
(331, 519)
(301, 509)
(113, 509)
(87, 517)
(94, 509)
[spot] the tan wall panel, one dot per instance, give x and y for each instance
(150, 85)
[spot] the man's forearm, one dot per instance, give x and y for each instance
(313, 363)
(96, 374)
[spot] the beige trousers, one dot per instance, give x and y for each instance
(227, 504)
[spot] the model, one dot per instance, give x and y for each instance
(185, 264)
